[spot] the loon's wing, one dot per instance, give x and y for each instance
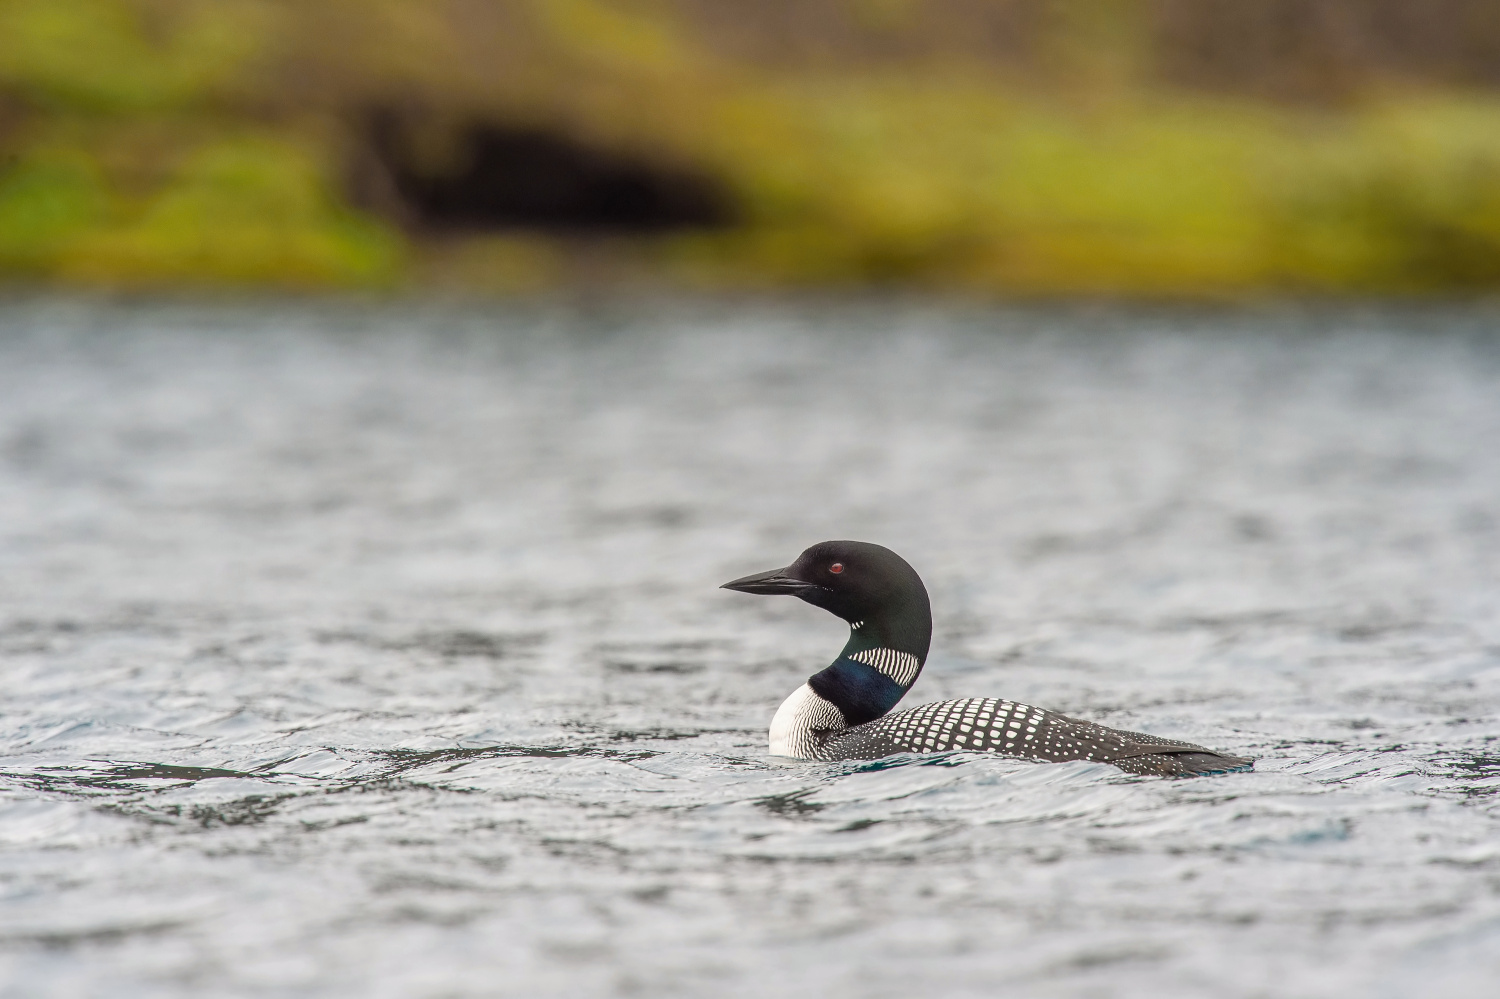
(991, 725)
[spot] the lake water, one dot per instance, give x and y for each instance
(376, 651)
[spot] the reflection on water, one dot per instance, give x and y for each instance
(379, 653)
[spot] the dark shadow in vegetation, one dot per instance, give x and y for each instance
(506, 177)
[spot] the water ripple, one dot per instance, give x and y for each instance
(379, 652)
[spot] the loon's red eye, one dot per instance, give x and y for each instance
(836, 568)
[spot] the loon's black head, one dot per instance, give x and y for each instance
(871, 587)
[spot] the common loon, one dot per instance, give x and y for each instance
(842, 712)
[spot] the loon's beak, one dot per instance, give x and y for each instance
(772, 581)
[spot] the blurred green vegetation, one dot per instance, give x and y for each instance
(1027, 147)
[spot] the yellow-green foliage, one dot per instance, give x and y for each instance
(168, 142)
(97, 54)
(130, 175)
(246, 211)
(963, 186)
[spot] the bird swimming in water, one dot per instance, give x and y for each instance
(843, 712)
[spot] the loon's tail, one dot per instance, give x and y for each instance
(1183, 764)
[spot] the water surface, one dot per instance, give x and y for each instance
(356, 651)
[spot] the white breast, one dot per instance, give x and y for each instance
(793, 728)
